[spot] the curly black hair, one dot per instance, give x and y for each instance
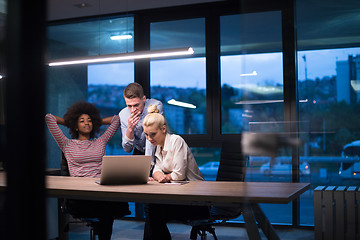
(73, 113)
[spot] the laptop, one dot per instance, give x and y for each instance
(125, 169)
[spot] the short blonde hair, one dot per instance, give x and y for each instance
(154, 117)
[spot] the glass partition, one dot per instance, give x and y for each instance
(329, 85)
(328, 65)
(252, 97)
(251, 70)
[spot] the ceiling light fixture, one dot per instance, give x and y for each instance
(248, 102)
(121, 36)
(82, 5)
(254, 73)
(124, 56)
(181, 104)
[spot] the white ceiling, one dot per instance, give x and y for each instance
(67, 9)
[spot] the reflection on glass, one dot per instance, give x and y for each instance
(330, 117)
(251, 90)
(252, 96)
(90, 37)
(208, 160)
(180, 85)
(178, 34)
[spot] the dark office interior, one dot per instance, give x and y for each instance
(284, 68)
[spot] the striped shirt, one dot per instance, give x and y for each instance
(84, 157)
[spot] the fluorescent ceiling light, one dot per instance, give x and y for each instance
(120, 37)
(254, 73)
(265, 101)
(259, 101)
(124, 56)
(181, 104)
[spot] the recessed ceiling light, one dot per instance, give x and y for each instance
(82, 5)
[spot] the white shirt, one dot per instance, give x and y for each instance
(139, 141)
(176, 158)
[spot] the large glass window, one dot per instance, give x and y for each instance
(180, 83)
(101, 84)
(251, 90)
(252, 96)
(106, 83)
(328, 66)
(251, 70)
(208, 161)
(330, 129)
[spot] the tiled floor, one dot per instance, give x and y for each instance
(133, 230)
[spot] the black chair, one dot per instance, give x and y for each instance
(65, 206)
(232, 168)
(90, 222)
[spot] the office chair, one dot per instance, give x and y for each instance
(65, 204)
(232, 168)
(90, 222)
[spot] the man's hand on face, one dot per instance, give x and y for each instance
(136, 107)
(134, 119)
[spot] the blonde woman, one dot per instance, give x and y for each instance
(173, 161)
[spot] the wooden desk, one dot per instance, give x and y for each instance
(193, 193)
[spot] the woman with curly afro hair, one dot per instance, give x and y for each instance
(75, 111)
(84, 154)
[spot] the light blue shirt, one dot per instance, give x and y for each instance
(139, 141)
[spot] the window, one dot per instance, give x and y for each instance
(251, 70)
(328, 88)
(252, 96)
(251, 91)
(328, 65)
(106, 83)
(101, 84)
(208, 160)
(180, 83)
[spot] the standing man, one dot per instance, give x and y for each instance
(131, 117)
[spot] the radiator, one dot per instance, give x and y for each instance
(336, 213)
